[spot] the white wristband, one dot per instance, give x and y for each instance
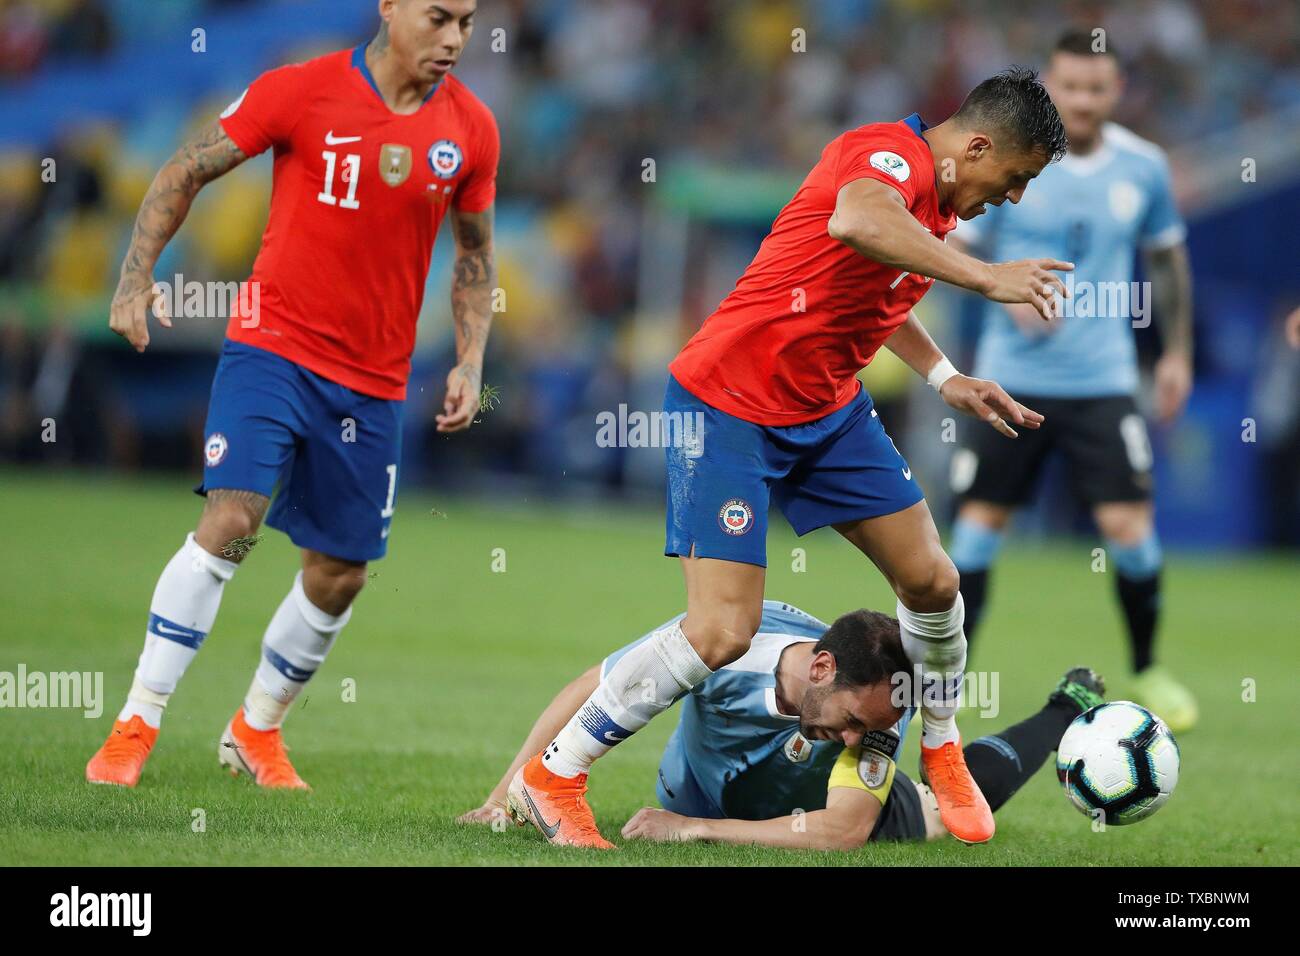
(942, 371)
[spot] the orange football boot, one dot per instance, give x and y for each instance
(259, 753)
(962, 807)
(122, 757)
(555, 805)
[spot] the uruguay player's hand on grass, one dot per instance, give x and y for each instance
(1173, 384)
(129, 312)
(661, 826)
(1031, 281)
(492, 809)
(464, 389)
(988, 402)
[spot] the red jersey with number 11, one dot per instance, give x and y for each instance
(357, 195)
(809, 313)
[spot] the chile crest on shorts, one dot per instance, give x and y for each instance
(214, 449)
(736, 516)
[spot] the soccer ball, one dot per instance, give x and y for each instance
(1118, 761)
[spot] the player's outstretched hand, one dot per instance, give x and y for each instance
(1173, 384)
(1293, 329)
(661, 826)
(464, 389)
(1032, 281)
(491, 811)
(987, 401)
(129, 312)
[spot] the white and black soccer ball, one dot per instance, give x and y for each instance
(1119, 761)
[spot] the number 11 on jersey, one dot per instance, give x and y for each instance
(351, 173)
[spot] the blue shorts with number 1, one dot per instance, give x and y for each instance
(332, 452)
(725, 473)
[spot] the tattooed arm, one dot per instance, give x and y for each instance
(205, 157)
(471, 310)
(1170, 273)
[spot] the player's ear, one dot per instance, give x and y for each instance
(821, 669)
(978, 145)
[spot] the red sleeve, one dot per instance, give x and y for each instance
(265, 114)
(479, 189)
(888, 154)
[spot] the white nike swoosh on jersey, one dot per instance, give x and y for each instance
(907, 473)
(332, 140)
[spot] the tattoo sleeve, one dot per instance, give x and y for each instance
(472, 284)
(1170, 274)
(205, 157)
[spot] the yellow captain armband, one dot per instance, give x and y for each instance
(863, 768)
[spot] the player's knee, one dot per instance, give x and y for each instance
(225, 529)
(722, 635)
(929, 586)
(333, 588)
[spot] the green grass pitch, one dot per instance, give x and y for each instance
(452, 661)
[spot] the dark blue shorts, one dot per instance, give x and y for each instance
(332, 452)
(721, 479)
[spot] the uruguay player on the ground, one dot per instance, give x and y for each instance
(773, 372)
(795, 744)
(1108, 197)
(373, 147)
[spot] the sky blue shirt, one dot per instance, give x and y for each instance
(734, 754)
(1095, 211)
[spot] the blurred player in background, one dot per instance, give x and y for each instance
(772, 374)
(795, 744)
(1110, 196)
(373, 148)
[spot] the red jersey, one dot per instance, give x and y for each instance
(357, 195)
(809, 313)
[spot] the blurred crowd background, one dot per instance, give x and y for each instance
(647, 146)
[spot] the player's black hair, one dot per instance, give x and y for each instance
(1016, 103)
(867, 648)
(1083, 43)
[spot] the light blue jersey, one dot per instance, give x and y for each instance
(734, 754)
(1094, 211)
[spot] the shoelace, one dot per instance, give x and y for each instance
(959, 786)
(126, 743)
(275, 755)
(577, 809)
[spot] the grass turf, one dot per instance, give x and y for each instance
(453, 660)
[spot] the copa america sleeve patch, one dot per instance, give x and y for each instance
(891, 164)
(861, 768)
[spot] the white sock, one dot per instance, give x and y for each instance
(183, 610)
(937, 644)
(643, 683)
(296, 642)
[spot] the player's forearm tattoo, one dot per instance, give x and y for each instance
(210, 154)
(474, 277)
(1170, 274)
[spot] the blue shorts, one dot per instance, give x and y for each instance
(722, 476)
(332, 452)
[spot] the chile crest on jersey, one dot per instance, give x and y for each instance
(445, 158)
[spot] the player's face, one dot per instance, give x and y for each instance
(428, 36)
(1085, 90)
(993, 173)
(829, 712)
